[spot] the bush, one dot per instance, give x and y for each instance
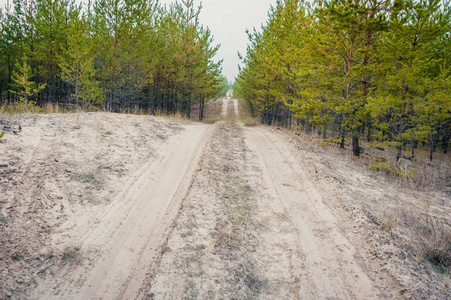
(382, 166)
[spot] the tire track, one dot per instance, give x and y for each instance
(125, 241)
(328, 268)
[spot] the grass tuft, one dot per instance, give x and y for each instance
(71, 254)
(209, 120)
(249, 122)
(164, 249)
(434, 243)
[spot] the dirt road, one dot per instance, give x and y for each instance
(324, 265)
(129, 235)
(256, 227)
(126, 238)
(215, 211)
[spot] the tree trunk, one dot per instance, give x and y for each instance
(431, 153)
(355, 144)
(414, 144)
(76, 89)
(398, 152)
(433, 144)
(343, 135)
(189, 106)
(445, 142)
(201, 109)
(9, 79)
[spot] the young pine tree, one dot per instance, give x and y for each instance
(76, 62)
(23, 86)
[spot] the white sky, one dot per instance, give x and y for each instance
(228, 21)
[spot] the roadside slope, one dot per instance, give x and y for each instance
(127, 238)
(87, 206)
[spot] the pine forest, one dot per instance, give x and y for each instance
(116, 55)
(354, 69)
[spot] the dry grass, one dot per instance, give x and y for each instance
(51, 108)
(431, 232)
(210, 120)
(434, 244)
(408, 200)
(14, 109)
(135, 111)
(48, 108)
(212, 111)
(429, 175)
(249, 122)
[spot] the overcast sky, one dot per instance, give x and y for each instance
(228, 21)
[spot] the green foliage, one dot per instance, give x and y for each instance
(404, 172)
(382, 166)
(411, 100)
(263, 82)
(117, 55)
(23, 86)
(224, 85)
(331, 140)
(399, 171)
(76, 62)
(164, 249)
(2, 134)
(374, 69)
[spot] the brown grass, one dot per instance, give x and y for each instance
(48, 108)
(212, 110)
(210, 120)
(430, 175)
(434, 243)
(249, 122)
(409, 200)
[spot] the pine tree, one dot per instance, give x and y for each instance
(23, 86)
(119, 30)
(51, 25)
(76, 61)
(343, 67)
(413, 78)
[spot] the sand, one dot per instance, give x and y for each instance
(114, 206)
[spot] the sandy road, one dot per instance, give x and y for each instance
(322, 263)
(236, 212)
(156, 195)
(262, 228)
(327, 267)
(128, 237)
